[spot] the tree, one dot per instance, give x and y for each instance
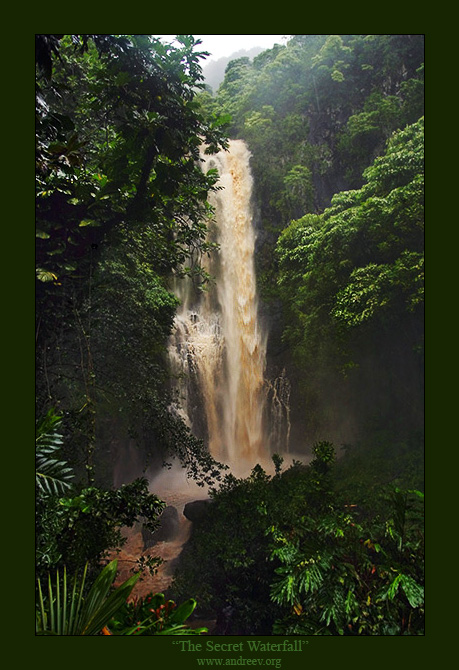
(375, 231)
(121, 203)
(291, 554)
(352, 280)
(347, 94)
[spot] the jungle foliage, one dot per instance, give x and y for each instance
(76, 525)
(121, 202)
(335, 126)
(317, 111)
(298, 553)
(351, 282)
(66, 608)
(336, 129)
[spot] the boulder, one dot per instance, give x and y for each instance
(195, 511)
(167, 530)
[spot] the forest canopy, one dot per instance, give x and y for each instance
(335, 126)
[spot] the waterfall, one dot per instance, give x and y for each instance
(218, 348)
(279, 403)
(217, 355)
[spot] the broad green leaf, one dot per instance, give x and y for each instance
(413, 591)
(183, 611)
(89, 222)
(46, 275)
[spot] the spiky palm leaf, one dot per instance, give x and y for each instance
(68, 612)
(52, 475)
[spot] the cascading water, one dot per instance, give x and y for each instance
(218, 356)
(218, 347)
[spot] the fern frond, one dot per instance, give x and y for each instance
(52, 475)
(310, 578)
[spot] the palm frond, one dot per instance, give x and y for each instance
(69, 612)
(52, 475)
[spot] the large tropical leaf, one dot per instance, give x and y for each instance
(98, 608)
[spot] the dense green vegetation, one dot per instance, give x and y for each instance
(339, 196)
(121, 202)
(69, 610)
(335, 125)
(351, 283)
(309, 552)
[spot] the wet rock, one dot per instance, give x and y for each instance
(195, 511)
(167, 530)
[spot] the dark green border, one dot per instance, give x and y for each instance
(19, 325)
